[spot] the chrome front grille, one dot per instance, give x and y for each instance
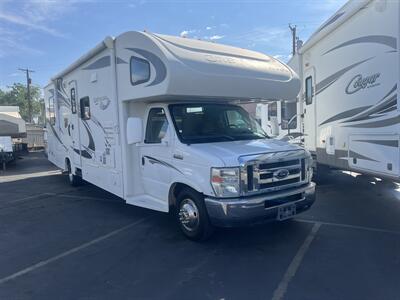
(273, 172)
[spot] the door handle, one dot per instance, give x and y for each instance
(143, 160)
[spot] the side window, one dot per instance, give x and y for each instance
(309, 90)
(288, 111)
(140, 70)
(73, 101)
(52, 116)
(235, 120)
(157, 126)
(85, 108)
(272, 110)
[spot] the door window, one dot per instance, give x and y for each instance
(309, 90)
(85, 108)
(157, 126)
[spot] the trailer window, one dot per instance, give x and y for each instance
(157, 126)
(288, 113)
(52, 115)
(85, 108)
(272, 110)
(309, 90)
(140, 70)
(73, 101)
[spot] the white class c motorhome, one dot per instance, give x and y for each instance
(154, 119)
(349, 70)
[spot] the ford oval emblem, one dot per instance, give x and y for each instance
(281, 174)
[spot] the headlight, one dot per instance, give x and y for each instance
(225, 182)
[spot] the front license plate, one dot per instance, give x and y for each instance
(286, 212)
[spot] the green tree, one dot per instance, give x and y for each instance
(17, 96)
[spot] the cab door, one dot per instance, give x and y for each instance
(156, 155)
(310, 109)
(73, 129)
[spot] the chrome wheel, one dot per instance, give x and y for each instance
(189, 215)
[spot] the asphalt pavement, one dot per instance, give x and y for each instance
(61, 242)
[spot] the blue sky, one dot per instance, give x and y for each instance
(48, 35)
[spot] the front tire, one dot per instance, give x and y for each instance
(74, 180)
(192, 216)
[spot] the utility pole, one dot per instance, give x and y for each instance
(28, 92)
(293, 29)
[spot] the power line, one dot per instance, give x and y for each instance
(28, 94)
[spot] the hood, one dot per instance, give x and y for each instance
(229, 152)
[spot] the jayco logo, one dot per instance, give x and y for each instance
(359, 83)
(102, 102)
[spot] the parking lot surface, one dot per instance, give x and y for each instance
(60, 242)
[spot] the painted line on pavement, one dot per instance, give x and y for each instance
(280, 291)
(69, 252)
(348, 226)
(26, 198)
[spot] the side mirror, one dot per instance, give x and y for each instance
(134, 130)
(274, 126)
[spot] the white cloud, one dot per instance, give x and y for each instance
(209, 27)
(216, 37)
(186, 33)
(26, 23)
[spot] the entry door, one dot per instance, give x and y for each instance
(310, 103)
(156, 154)
(74, 125)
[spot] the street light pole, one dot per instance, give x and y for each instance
(28, 92)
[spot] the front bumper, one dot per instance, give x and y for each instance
(258, 209)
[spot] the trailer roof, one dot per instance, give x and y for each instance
(342, 15)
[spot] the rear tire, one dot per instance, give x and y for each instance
(74, 180)
(192, 217)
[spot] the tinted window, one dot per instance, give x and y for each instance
(309, 90)
(73, 101)
(204, 123)
(140, 70)
(52, 115)
(85, 108)
(288, 111)
(157, 126)
(272, 110)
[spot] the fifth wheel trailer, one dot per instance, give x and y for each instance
(347, 110)
(155, 120)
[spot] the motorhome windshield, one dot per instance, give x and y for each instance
(205, 123)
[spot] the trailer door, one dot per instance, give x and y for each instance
(309, 110)
(73, 130)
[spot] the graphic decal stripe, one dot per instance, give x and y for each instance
(332, 20)
(380, 123)
(346, 114)
(356, 155)
(388, 143)
(327, 82)
(372, 39)
(208, 51)
(102, 62)
(154, 160)
(380, 106)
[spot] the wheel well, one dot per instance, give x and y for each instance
(174, 191)
(67, 163)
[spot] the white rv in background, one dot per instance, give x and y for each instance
(348, 112)
(155, 120)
